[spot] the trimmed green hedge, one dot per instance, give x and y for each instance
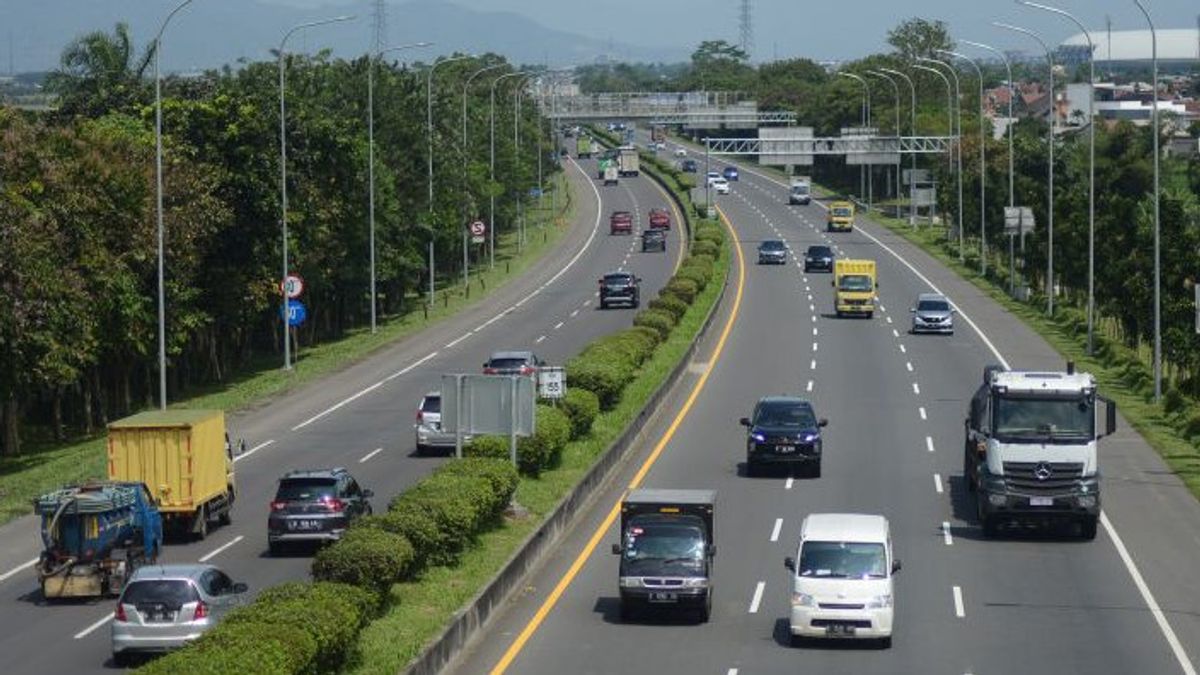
(582, 407)
(659, 320)
(411, 521)
(670, 304)
(366, 557)
(705, 247)
(544, 448)
(683, 289)
(251, 648)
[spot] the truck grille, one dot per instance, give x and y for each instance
(1042, 477)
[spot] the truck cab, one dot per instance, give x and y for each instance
(854, 284)
(1030, 453)
(666, 550)
(841, 217)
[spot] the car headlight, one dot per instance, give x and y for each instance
(757, 437)
(880, 601)
(695, 582)
(803, 600)
(631, 582)
(808, 438)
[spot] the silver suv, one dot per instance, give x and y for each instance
(428, 429)
(932, 314)
(163, 607)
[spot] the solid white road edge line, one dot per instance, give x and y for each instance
(757, 599)
(367, 390)
(218, 550)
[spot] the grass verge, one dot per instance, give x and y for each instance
(421, 609)
(45, 466)
(1120, 371)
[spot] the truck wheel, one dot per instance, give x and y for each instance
(991, 526)
(200, 526)
(226, 518)
(1087, 528)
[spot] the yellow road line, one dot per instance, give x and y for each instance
(551, 600)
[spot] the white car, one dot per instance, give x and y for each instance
(841, 578)
(720, 185)
(680, 152)
(711, 176)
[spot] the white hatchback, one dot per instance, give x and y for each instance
(841, 578)
(720, 185)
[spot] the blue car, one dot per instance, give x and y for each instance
(730, 173)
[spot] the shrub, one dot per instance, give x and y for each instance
(542, 450)
(604, 376)
(452, 513)
(693, 274)
(634, 344)
(410, 520)
(1173, 400)
(683, 289)
(670, 304)
(500, 473)
(706, 247)
(250, 648)
(369, 558)
(1192, 428)
(710, 233)
(490, 447)
(581, 407)
(661, 321)
(332, 619)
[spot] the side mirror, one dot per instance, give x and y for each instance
(822, 422)
(485, 365)
(895, 565)
(616, 549)
(367, 494)
(912, 310)
(745, 421)
(240, 587)
(790, 563)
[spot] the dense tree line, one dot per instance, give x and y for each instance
(78, 308)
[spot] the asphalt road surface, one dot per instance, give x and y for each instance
(361, 418)
(1038, 602)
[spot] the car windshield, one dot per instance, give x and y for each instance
(507, 363)
(306, 489)
(793, 415)
(933, 306)
(799, 189)
(772, 245)
(819, 251)
(841, 212)
(432, 404)
(666, 542)
(855, 282)
(613, 279)
(842, 560)
(170, 592)
(1025, 417)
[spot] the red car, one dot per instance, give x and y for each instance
(621, 222)
(660, 219)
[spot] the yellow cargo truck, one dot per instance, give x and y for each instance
(841, 217)
(185, 459)
(854, 286)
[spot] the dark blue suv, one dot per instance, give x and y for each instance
(783, 431)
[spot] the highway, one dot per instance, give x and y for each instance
(360, 418)
(1037, 603)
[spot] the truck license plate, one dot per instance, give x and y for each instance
(839, 630)
(1041, 501)
(663, 597)
(304, 525)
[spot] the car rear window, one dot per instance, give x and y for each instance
(431, 404)
(171, 592)
(306, 489)
(616, 278)
(819, 250)
(506, 363)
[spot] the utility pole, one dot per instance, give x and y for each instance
(746, 28)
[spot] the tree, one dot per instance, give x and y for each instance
(100, 73)
(919, 37)
(718, 65)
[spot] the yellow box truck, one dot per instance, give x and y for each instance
(854, 286)
(841, 217)
(185, 459)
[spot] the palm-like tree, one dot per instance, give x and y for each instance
(100, 73)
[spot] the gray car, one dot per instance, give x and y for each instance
(772, 252)
(428, 430)
(932, 314)
(512, 363)
(163, 607)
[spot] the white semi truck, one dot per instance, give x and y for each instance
(1030, 454)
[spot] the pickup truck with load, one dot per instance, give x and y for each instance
(583, 147)
(841, 217)
(186, 460)
(1030, 454)
(800, 192)
(94, 536)
(667, 549)
(627, 161)
(854, 284)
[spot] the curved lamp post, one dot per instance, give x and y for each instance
(982, 162)
(912, 126)
(958, 107)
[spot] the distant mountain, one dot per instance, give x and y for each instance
(212, 33)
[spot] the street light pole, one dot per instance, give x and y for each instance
(958, 142)
(429, 145)
(287, 348)
(1091, 300)
(1157, 230)
(466, 90)
(1050, 190)
(982, 163)
(895, 88)
(158, 195)
(491, 192)
(371, 160)
(912, 126)
(866, 122)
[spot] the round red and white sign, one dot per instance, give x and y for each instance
(292, 286)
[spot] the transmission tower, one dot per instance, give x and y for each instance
(746, 28)
(379, 24)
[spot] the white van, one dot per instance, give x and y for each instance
(841, 578)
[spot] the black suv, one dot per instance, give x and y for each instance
(619, 288)
(314, 507)
(654, 240)
(818, 258)
(784, 430)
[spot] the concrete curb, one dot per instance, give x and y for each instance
(475, 615)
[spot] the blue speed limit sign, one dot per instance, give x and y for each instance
(296, 313)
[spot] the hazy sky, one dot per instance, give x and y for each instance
(818, 29)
